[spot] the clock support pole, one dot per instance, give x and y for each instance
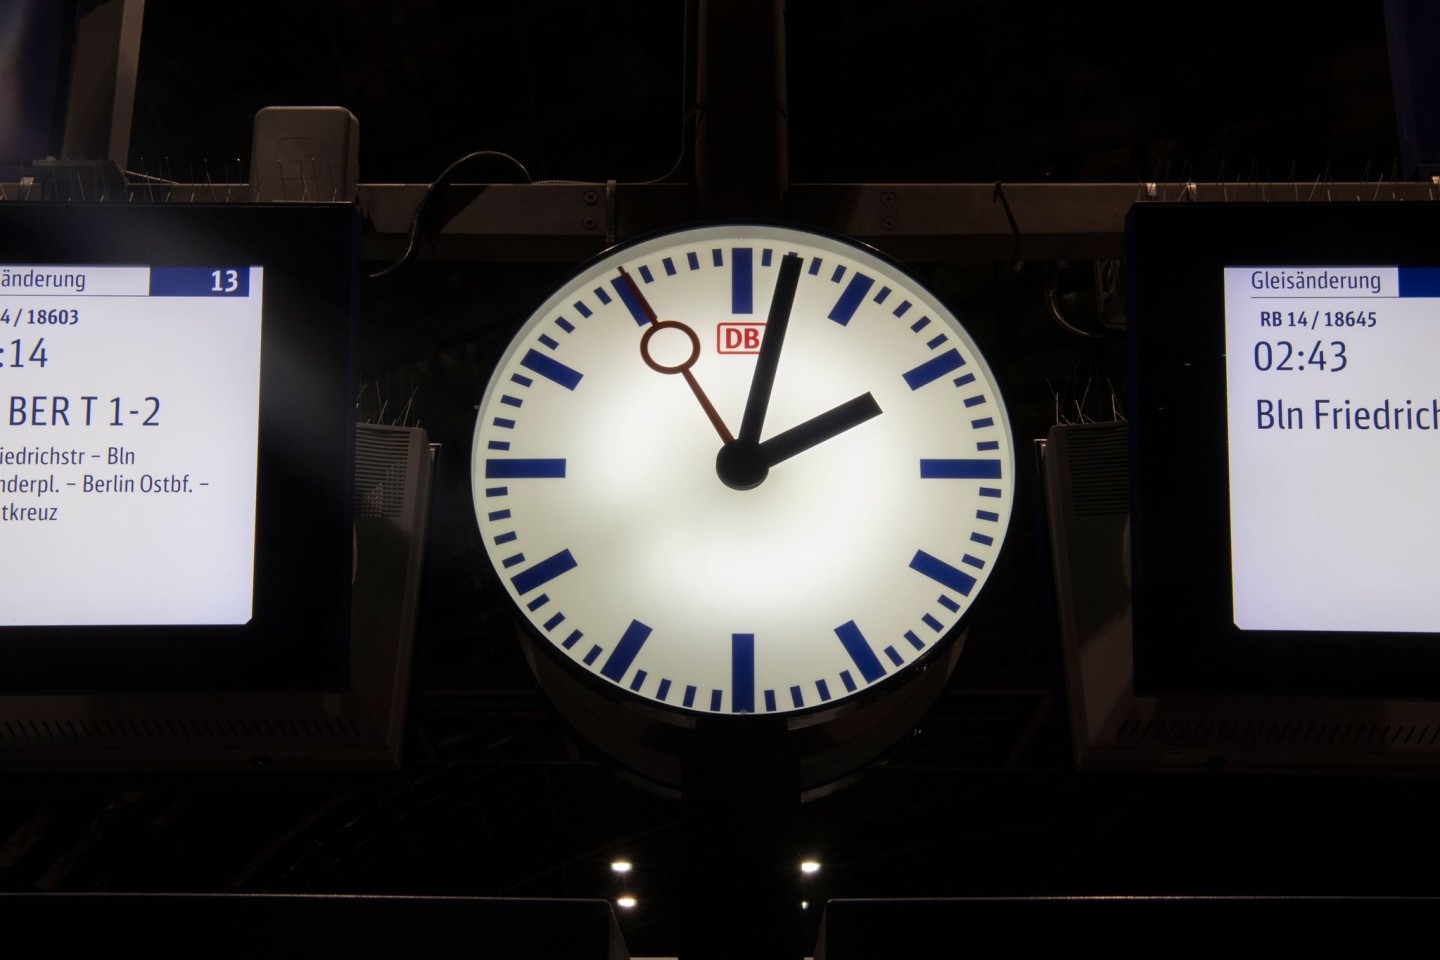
(740, 807)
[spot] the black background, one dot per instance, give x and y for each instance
(495, 800)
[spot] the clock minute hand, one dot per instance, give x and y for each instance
(763, 380)
(818, 429)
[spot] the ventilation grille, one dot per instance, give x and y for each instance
(381, 465)
(181, 729)
(1293, 734)
(1099, 461)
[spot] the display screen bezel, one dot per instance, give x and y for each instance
(299, 634)
(1186, 640)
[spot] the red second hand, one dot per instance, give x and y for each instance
(681, 368)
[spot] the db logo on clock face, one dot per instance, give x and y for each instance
(739, 337)
(742, 468)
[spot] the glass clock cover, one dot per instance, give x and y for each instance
(742, 469)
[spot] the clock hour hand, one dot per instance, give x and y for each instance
(743, 466)
(818, 429)
(682, 368)
(763, 380)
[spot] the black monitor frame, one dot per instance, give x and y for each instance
(299, 635)
(1185, 640)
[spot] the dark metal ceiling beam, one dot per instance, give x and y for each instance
(918, 222)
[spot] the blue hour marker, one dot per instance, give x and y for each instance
(625, 651)
(932, 623)
(920, 324)
(935, 341)
(566, 325)
(546, 341)
(694, 261)
(765, 256)
(942, 573)
(850, 300)
(770, 700)
(975, 401)
(715, 257)
(915, 641)
(689, 699)
(987, 515)
(592, 655)
(664, 690)
(543, 572)
(742, 298)
(551, 369)
(669, 266)
(645, 275)
(981, 538)
(982, 423)
(824, 690)
(960, 469)
(639, 680)
(497, 491)
(934, 368)
(498, 445)
(538, 602)
(796, 697)
(859, 649)
(604, 297)
(848, 680)
(499, 515)
(837, 275)
(894, 656)
(742, 671)
(521, 379)
(902, 309)
(515, 468)
(553, 622)
(571, 640)
(988, 445)
(581, 309)
(716, 697)
(627, 297)
(506, 537)
(815, 267)
(504, 424)
(948, 604)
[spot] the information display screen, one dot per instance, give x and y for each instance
(177, 425)
(1333, 413)
(1285, 436)
(128, 464)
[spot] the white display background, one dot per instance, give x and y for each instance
(120, 554)
(1332, 529)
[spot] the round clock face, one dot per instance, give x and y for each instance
(743, 469)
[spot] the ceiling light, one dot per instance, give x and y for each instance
(622, 866)
(809, 866)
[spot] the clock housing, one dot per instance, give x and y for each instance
(656, 579)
